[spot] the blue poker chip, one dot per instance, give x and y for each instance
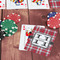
(51, 14)
(0, 23)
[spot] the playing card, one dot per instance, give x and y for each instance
(2, 4)
(41, 41)
(16, 4)
(25, 29)
(54, 3)
(38, 4)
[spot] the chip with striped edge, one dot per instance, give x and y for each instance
(54, 22)
(9, 27)
(51, 14)
(13, 16)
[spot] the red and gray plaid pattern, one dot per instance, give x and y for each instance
(40, 50)
(54, 3)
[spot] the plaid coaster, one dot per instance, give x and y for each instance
(55, 3)
(41, 41)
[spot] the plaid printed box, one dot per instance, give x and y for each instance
(41, 41)
(54, 3)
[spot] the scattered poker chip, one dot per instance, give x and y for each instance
(51, 14)
(9, 27)
(2, 34)
(13, 16)
(54, 22)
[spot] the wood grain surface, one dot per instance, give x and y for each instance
(10, 45)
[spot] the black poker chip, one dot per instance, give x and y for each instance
(2, 34)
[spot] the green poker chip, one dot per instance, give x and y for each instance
(9, 27)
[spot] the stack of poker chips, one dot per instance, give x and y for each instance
(53, 20)
(17, 2)
(8, 26)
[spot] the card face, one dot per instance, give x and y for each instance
(16, 4)
(25, 29)
(2, 4)
(41, 41)
(38, 4)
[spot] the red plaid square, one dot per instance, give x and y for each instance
(55, 3)
(41, 41)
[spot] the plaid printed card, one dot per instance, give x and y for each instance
(55, 3)
(41, 41)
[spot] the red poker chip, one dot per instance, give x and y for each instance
(4, 18)
(15, 17)
(54, 22)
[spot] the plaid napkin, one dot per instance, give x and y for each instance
(55, 3)
(41, 41)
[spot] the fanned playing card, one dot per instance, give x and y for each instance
(38, 4)
(16, 4)
(25, 32)
(2, 4)
(41, 41)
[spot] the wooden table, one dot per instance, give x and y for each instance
(10, 45)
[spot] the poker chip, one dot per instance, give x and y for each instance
(13, 16)
(9, 27)
(51, 14)
(0, 24)
(54, 22)
(2, 34)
